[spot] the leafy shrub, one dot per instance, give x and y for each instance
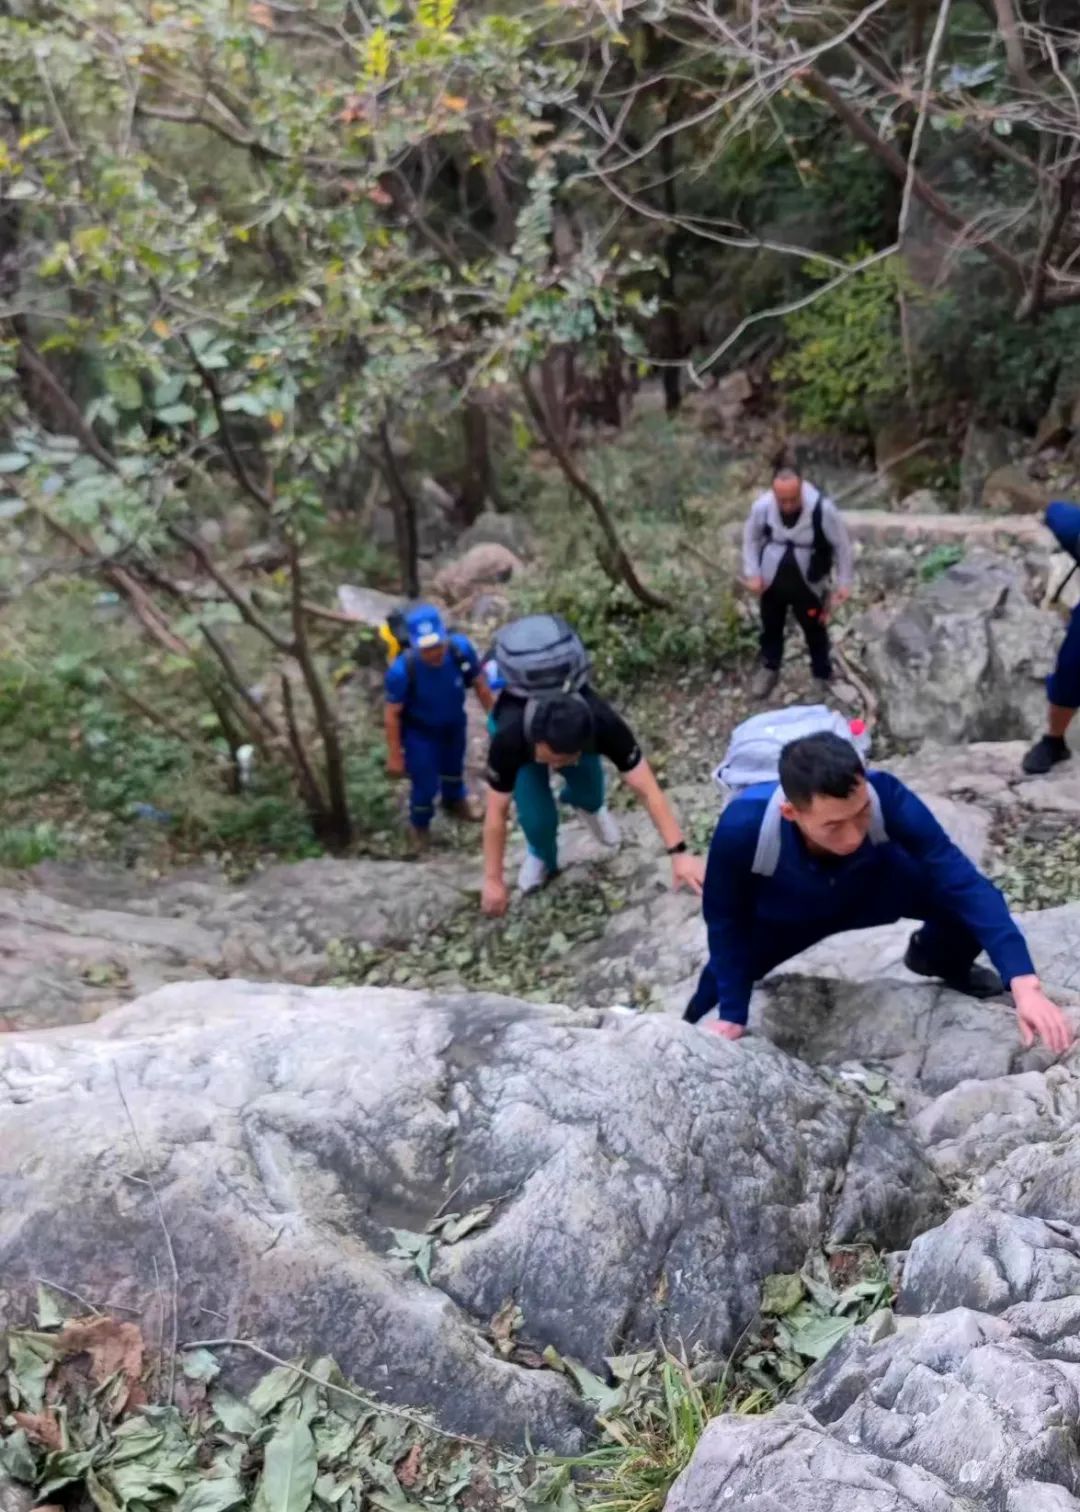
(22, 846)
(980, 355)
(628, 642)
(845, 365)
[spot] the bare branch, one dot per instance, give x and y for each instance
(248, 612)
(623, 565)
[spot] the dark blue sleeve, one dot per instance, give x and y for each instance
(728, 906)
(1064, 520)
(952, 879)
(468, 659)
(397, 681)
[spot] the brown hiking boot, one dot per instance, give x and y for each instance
(420, 840)
(465, 809)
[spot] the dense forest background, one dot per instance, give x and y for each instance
(297, 295)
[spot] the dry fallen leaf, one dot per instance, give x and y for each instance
(42, 1427)
(455, 102)
(408, 1469)
(261, 14)
(111, 1345)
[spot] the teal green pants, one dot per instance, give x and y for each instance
(538, 813)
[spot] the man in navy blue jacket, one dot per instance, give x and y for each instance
(846, 849)
(1063, 684)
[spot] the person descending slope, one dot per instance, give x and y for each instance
(548, 719)
(830, 847)
(425, 720)
(1063, 684)
(793, 538)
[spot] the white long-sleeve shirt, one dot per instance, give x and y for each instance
(763, 551)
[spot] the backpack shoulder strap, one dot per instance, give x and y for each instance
(767, 854)
(878, 833)
(527, 721)
(410, 669)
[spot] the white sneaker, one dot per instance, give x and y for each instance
(533, 873)
(603, 826)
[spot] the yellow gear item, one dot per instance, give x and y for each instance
(393, 646)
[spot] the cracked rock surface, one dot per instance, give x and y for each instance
(643, 1176)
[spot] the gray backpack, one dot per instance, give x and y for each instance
(753, 756)
(540, 657)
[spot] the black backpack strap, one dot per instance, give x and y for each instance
(410, 672)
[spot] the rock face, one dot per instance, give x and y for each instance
(973, 1404)
(641, 1176)
(81, 940)
(965, 658)
(481, 565)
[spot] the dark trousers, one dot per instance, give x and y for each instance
(945, 943)
(809, 611)
(435, 762)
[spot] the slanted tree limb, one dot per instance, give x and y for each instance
(248, 613)
(865, 132)
(305, 775)
(263, 726)
(581, 485)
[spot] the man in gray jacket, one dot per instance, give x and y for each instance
(793, 541)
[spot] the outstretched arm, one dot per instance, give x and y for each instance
(686, 870)
(494, 897)
(957, 883)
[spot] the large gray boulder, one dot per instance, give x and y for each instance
(641, 1176)
(965, 658)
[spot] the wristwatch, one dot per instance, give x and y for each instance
(678, 850)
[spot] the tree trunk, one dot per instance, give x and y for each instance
(406, 534)
(476, 475)
(338, 823)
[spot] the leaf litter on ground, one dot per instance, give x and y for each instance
(304, 1439)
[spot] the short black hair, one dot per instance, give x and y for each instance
(564, 723)
(786, 470)
(824, 765)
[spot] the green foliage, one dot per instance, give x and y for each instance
(1004, 371)
(26, 845)
(652, 1431)
(627, 642)
(938, 560)
(845, 363)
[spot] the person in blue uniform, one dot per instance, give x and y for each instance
(426, 686)
(1063, 684)
(856, 849)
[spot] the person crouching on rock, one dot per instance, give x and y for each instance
(1063, 684)
(565, 732)
(831, 848)
(425, 717)
(793, 538)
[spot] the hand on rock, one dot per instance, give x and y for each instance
(724, 1029)
(689, 872)
(1038, 1017)
(494, 898)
